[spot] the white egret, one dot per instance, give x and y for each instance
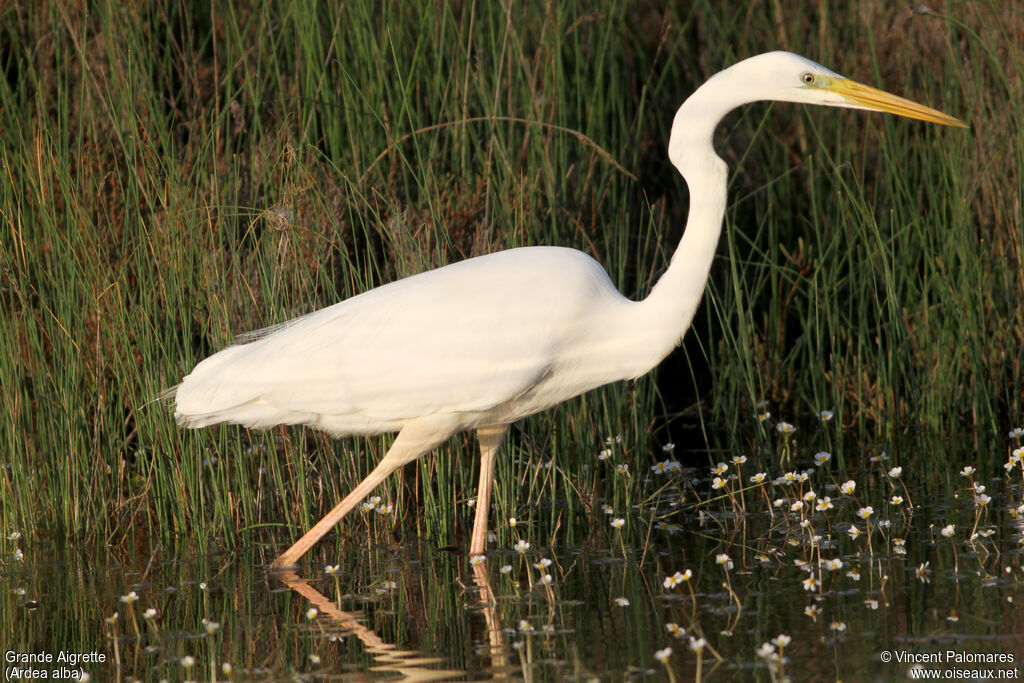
(481, 343)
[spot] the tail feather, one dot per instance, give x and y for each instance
(213, 390)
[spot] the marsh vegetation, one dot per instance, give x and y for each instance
(177, 174)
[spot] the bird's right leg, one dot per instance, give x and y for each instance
(490, 439)
(416, 438)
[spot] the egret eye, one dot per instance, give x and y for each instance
(807, 77)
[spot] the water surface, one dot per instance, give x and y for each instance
(772, 582)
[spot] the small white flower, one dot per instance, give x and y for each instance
(838, 626)
(604, 454)
(332, 569)
(618, 523)
(521, 546)
(477, 560)
(211, 627)
(718, 483)
(896, 500)
(785, 428)
(854, 532)
(782, 641)
(848, 488)
(677, 578)
(758, 478)
(314, 659)
(967, 471)
(188, 661)
(866, 512)
(824, 503)
(130, 598)
(739, 459)
(622, 602)
(822, 457)
(622, 468)
(675, 629)
(724, 560)
(812, 611)
(311, 613)
(698, 644)
(506, 569)
(835, 564)
(663, 655)
(149, 614)
(871, 603)
(895, 472)
(825, 415)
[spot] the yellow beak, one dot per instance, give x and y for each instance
(866, 97)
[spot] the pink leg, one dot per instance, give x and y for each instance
(416, 438)
(490, 440)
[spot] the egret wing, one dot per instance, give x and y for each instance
(460, 339)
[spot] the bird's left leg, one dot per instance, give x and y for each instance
(490, 439)
(416, 438)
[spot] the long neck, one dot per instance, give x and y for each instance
(674, 299)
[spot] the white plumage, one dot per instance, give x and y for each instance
(521, 338)
(481, 343)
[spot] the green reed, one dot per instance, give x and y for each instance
(175, 176)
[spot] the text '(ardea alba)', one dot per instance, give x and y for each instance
(481, 343)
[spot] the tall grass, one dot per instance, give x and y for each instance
(177, 175)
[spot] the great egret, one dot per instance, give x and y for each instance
(481, 343)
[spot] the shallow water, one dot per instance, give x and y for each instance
(865, 608)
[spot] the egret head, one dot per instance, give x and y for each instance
(786, 77)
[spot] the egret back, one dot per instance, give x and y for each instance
(491, 338)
